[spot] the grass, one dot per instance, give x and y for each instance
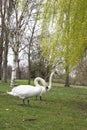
(61, 109)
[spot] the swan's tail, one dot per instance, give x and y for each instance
(11, 93)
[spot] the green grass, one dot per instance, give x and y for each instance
(61, 109)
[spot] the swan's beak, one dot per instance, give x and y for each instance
(46, 88)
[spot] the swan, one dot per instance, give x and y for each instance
(45, 87)
(26, 91)
(50, 78)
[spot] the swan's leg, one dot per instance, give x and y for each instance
(24, 101)
(40, 97)
(28, 102)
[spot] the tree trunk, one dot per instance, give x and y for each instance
(5, 53)
(4, 76)
(1, 51)
(1, 38)
(14, 67)
(29, 67)
(67, 84)
(29, 54)
(18, 70)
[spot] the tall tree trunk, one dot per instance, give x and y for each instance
(5, 53)
(29, 55)
(1, 51)
(14, 67)
(29, 67)
(1, 38)
(67, 84)
(18, 70)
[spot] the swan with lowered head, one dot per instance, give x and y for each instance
(26, 91)
(45, 87)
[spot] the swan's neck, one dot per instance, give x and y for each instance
(50, 80)
(41, 80)
(36, 82)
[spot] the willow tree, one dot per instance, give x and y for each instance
(66, 20)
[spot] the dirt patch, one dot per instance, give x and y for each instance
(30, 119)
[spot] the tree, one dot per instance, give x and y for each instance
(81, 71)
(7, 4)
(23, 32)
(67, 27)
(17, 28)
(32, 34)
(1, 37)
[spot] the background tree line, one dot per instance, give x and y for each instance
(43, 37)
(20, 32)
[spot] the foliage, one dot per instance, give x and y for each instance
(61, 108)
(67, 24)
(40, 68)
(81, 72)
(21, 5)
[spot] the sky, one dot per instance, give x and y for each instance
(23, 60)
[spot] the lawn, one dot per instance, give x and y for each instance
(61, 109)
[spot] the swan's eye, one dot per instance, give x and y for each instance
(56, 72)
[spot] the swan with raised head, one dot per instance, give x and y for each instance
(50, 78)
(45, 87)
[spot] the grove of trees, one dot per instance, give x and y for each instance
(44, 35)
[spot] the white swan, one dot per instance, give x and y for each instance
(26, 91)
(50, 79)
(46, 88)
